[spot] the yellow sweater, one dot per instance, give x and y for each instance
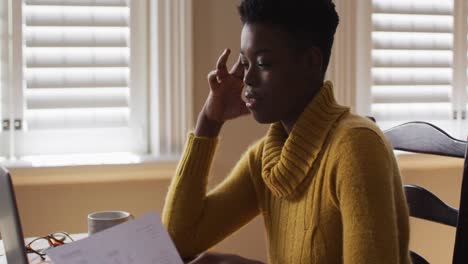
(330, 192)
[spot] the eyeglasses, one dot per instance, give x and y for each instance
(56, 239)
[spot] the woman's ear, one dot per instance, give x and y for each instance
(314, 59)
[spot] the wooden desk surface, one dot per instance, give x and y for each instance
(33, 258)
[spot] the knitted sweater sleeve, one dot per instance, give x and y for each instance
(197, 220)
(365, 191)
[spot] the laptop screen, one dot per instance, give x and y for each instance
(10, 225)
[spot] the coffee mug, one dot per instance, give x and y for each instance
(99, 221)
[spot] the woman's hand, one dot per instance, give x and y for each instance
(219, 258)
(224, 101)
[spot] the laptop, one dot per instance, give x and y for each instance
(10, 225)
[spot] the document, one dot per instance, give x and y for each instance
(140, 241)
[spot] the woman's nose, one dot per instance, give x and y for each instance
(249, 77)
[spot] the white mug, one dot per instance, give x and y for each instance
(99, 221)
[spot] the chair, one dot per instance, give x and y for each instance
(421, 137)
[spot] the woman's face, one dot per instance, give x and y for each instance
(279, 81)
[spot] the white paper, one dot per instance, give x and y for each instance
(140, 241)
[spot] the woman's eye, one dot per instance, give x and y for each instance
(263, 64)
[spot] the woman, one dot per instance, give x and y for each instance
(325, 181)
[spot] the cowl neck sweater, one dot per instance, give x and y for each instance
(287, 159)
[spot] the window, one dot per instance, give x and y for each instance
(412, 56)
(85, 77)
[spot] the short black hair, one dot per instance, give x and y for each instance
(310, 22)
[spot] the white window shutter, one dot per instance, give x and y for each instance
(79, 91)
(412, 75)
(4, 146)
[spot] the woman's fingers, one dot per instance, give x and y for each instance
(221, 67)
(212, 79)
(237, 70)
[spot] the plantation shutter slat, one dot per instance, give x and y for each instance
(77, 57)
(59, 16)
(78, 2)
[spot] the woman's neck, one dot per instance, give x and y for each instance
(288, 122)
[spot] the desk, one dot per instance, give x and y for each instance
(33, 258)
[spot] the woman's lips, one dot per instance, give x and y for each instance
(251, 100)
